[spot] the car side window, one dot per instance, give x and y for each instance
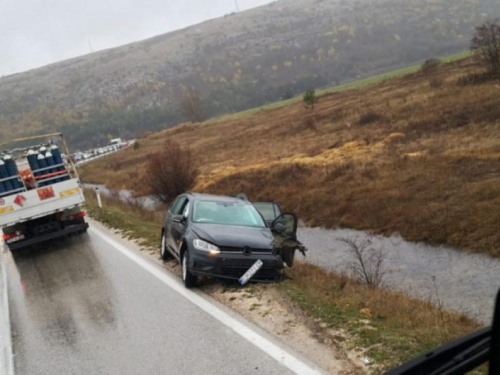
(171, 208)
(185, 214)
(179, 205)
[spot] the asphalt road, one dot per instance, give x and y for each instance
(95, 305)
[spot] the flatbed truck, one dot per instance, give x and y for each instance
(48, 201)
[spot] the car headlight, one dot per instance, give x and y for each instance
(206, 247)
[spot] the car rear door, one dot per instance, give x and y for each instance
(179, 227)
(171, 226)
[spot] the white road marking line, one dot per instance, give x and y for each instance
(292, 363)
(6, 356)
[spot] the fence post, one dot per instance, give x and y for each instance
(98, 194)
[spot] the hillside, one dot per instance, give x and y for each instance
(418, 155)
(236, 62)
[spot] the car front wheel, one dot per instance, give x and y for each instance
(188, 278)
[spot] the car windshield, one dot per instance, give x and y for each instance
(227, 213)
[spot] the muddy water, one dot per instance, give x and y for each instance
(148, 203)
(455, 279)
(463, 282)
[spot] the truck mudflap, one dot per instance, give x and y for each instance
(76, 228)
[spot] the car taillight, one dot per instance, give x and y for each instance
(8, 236)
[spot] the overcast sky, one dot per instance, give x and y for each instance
(34, 33)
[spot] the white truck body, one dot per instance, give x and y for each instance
(48, 205)
(40, 202)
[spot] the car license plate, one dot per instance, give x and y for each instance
(251, 272)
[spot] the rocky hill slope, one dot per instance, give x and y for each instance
(236, 62)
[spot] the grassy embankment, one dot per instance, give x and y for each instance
(417, 154)
(388, 326)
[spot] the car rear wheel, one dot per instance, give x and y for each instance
(165, 255)
(188, 278)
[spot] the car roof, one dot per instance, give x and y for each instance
(215, 198)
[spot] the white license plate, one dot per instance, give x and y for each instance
(251, 272)
(15, 239)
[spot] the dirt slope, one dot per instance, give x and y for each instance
(236, 62)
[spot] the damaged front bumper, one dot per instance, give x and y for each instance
(233, 266)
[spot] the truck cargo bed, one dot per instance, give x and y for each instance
(40, 202)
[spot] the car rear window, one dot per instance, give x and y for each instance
(227, 213)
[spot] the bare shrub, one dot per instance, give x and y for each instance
(171, 172)
(367, 263)
(486, 46)
(369, 118)
(430, 65)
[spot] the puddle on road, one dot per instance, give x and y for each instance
(465, 282)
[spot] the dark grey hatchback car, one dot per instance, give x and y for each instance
(221, 237)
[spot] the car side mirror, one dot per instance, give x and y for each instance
(178, 219)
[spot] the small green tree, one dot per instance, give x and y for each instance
(310, 99)
(137, 145)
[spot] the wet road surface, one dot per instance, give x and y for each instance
(79, 306)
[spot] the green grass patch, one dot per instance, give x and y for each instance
(342, 87)
(134, 222)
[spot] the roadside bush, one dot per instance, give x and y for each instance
(171, 172)
(137, 145)
(486, 46)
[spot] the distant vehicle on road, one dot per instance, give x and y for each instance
(222, 237)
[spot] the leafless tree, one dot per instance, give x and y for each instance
(486, 45)
(192, 106)
(170, 172)
(366, 263)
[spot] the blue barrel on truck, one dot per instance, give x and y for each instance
(42, 164)
(4, 173)
(12, 171)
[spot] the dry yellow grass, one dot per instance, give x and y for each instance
(402, 155)
(390, 326)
